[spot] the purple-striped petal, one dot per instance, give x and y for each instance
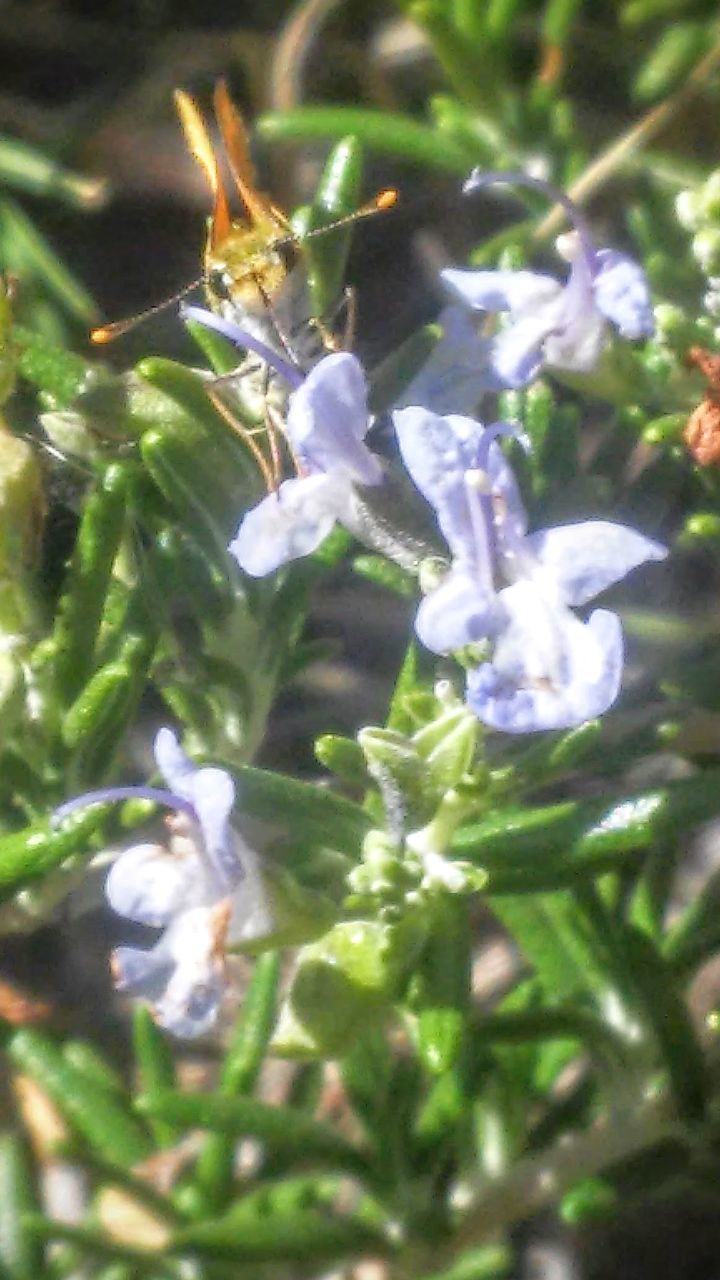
(548, 670)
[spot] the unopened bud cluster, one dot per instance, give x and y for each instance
(387, 881)
(698, 210)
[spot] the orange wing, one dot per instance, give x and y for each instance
(234, 135)
(200, 146)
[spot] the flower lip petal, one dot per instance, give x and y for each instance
(457, 613)
(181, 975)
(582, 681)
(191, 1013)
(290, 523)
(196, 941)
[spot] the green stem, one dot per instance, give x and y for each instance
(539, 1181)
(618, 155)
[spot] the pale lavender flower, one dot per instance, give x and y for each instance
(327, 421)
(562, 326)
(456, 373)
(203, 888)
(546, 669)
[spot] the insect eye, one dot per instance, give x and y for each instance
(286, 249)
(217, 283)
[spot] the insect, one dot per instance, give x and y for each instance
(251, 263)
(253, 271)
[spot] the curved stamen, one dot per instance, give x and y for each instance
(241, 338)
(480, 497)
(106, 794)
(496, 431)
(480, 178)
(477, 487)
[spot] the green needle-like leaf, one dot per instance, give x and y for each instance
(240, 1070)
(397, 135)
(20, 1254)
(95, 1113)
(280, 1127)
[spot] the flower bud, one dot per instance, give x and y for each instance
(706, 250)
(402, 775)
(708, 198)
(687, 210)
(448, 745)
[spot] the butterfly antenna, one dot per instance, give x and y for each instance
(108, 332)
(381, 203)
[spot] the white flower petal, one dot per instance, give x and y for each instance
(189, 1005)
(182, 976)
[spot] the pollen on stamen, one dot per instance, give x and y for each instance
(478, 480)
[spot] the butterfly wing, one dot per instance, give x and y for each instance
(260, 210)
(200, 146)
